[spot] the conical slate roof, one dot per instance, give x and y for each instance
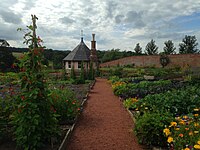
(80, 53)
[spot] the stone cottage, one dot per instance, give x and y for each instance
(81, 53)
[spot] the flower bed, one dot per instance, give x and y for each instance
(154, 113)
(66, 107)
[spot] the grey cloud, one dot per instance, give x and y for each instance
(29, 4)
(111, 8)
(10, 17)
(6, 3)
(135, 19)
(163, 35)
(131, 16)
(86, 22)
(132, 19)
(66, 20)
(118, 18)
(9, 32)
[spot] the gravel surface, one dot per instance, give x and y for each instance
(104, 123)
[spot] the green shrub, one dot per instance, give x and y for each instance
(149, 128)
(65, 105)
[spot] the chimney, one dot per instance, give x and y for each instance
(93, 42)
(93, 55)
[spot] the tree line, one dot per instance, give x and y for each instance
(187, 46)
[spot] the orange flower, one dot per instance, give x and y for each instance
(186, 128)
(190, 133)
(181, 135)
(196, 115)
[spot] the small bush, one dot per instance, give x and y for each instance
(149, 128)
(65, 105)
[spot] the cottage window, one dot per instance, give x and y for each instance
(79, 64)
(69, 64)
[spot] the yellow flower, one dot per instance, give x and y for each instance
(196, 124)
(196, 115)
(196, 132)
(177, 128)
(173, 124)
(198, 142)
(134, 99)
(167, 131)
(185, 117)
(197, 146)
(182, 122)
(170, 139)
(187, 148)
(196, 109)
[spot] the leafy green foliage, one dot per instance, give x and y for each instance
(7, 105)
(82, 74)
(91, 72)
(151, 48)
(189, 45)
(65, 105)
(72, 73)
(149, 128)
(6, 59)
(34, 121)
(113, 54)
(142, 88)
(176, 101)
(164, 60)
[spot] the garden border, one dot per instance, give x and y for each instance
(63, 145)
(143, 146)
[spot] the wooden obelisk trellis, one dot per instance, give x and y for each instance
(34, 30)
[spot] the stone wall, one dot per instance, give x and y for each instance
(181, 60)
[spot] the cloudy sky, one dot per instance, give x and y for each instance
(117, 23)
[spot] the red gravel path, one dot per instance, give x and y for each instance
(104, 123)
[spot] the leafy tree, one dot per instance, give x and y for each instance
(151, 48)
(164, 60)
(138, 49)
(169, 47)
(189, 45)
(6, 59)
(114, 54)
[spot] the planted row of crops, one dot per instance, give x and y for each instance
(166, 112)
(144, 88)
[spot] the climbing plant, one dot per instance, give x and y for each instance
(34, 118)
